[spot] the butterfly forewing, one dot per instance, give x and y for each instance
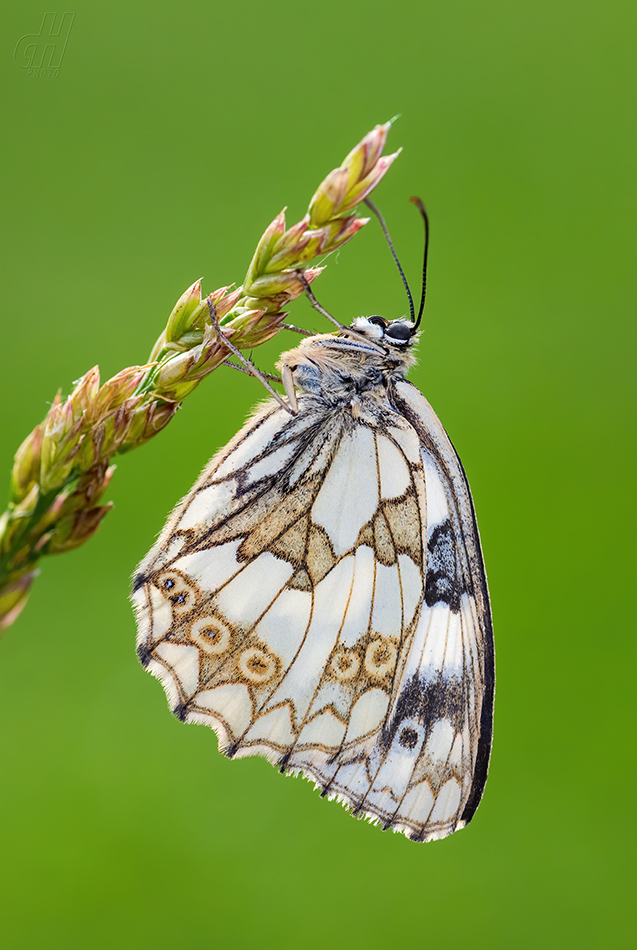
(456, 578)
(319, 598)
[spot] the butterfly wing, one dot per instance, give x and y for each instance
(425, 769)
(449, 678)
(285, 605)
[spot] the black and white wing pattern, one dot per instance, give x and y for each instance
(319, 597)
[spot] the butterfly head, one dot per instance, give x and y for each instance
(399, 334)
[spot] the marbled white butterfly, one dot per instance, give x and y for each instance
(319, 597)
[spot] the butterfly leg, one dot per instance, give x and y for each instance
(310, 296)
(248, 372)
(249, 367)
(290, 326)
(317, 306)
(288, 382)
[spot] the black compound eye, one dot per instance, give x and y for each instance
(399, 331)
(378, 321)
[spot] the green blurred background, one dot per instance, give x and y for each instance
(170, 138)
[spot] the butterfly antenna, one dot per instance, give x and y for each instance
(372, 207)
(425, 218)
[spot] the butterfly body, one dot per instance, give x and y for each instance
(319, 597)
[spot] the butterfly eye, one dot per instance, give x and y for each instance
(399, 331)
(378, 321)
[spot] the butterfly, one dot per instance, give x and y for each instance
(319, 597)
